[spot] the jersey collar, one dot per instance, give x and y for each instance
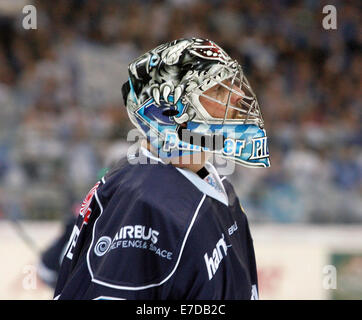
(199, 183)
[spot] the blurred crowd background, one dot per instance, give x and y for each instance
(62, 116)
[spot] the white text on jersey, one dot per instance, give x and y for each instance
(212, 263)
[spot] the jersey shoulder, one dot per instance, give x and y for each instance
(157, 185)
(147, 211)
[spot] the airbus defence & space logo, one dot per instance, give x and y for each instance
(137, 236)
(137, 232)
(102, 245)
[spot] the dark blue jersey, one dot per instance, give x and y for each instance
(146, 231)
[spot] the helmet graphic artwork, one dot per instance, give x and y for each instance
(165, 99)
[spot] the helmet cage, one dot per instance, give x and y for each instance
(246, 111)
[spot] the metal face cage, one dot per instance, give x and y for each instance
(227, 99)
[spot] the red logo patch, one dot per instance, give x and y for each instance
(85, 211)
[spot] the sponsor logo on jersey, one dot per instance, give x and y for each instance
(102, 245)
(233, 228)
(219, 252)
(216, 257)
(137, 232)
(85, 211)
(136, 236)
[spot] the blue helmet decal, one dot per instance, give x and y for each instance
(154, 113)
(243, 143)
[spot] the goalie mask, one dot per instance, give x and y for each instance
(189, 96)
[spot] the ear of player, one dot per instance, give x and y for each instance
(162, 98)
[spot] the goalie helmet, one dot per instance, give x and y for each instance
(173, 96)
